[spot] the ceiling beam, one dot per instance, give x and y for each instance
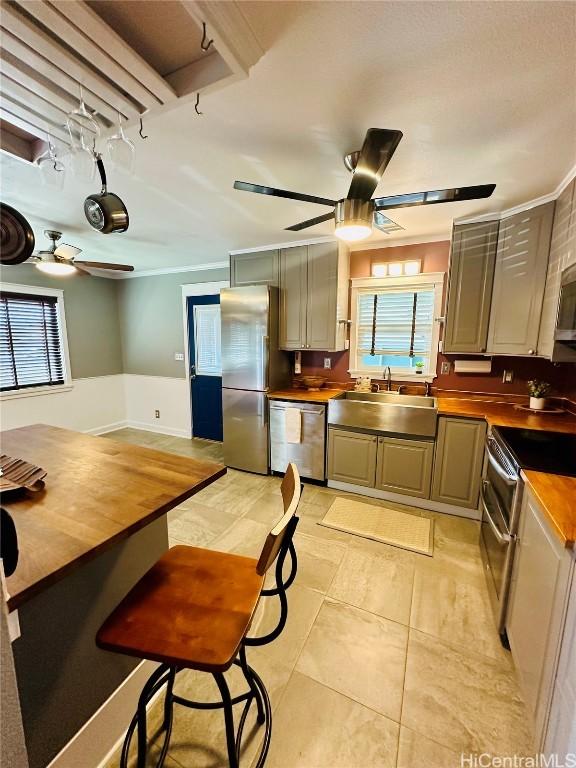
(47, 15)
(14, 92)
(56, 78)
(233, 37)
(80, 14)
(15, 115)
(23, 29)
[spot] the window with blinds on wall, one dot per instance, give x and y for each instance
(395, 328)
(30, 342)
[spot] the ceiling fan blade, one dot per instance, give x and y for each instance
(311, 222)
(246, 186)
(377, 150)
(384, 224)
(434, 196)
(65, 251)
(104, 265)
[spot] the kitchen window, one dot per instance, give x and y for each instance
(33, 349)
(395, 323)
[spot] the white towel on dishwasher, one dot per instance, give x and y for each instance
(293, 418)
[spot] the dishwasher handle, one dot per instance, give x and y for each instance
(282, 406)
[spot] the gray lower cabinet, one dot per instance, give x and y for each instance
(537, 609)
(519, 280)
(352, 457)
(255, 268)
(472, 259)
(404, 466)
(458, 461)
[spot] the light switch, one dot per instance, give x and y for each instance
(178, 356)
(507, 377)
(327, 362)
(445, 368)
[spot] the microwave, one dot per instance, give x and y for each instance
(565, 334)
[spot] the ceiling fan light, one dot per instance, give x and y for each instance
(352, 232)
(353, 219)
(55, 268)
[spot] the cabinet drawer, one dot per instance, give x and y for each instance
(404, 466)
(352, 457)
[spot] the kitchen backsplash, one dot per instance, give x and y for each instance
(434, 258)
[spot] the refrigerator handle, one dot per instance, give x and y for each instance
(266, 361)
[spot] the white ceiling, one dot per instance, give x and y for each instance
(483, 91)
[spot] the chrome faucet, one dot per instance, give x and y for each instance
(388, 377)
(400, 388)
(427, 389)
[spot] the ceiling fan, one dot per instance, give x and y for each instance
(356, 214)
(61, 259)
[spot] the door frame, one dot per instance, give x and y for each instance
(195, 289)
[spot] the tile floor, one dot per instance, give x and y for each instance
(389, 658)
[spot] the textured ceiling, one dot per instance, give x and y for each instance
(483, 91)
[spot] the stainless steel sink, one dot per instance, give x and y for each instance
(389, 412)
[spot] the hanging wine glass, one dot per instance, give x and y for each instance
(84, 130)
(51, 167)
(121, 150)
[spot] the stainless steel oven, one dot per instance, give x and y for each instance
(501, 496)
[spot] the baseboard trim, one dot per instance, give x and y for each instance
(100, 737)
(106, 428)
(412, 501)
(171, 431)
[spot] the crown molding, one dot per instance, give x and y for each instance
(292, 244)
(171, 270)
(497, 215)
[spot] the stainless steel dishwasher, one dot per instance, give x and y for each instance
(309, 454)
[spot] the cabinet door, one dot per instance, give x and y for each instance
(458, 461)
(537, 607)
(293, 294)
(404, 466)
(258, 268)
(321, 321)
(351, 457)
(472, 258)
(560, 253)
(519, 279)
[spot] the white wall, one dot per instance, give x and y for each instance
(145, 394)
(104, 403)
(91, 405)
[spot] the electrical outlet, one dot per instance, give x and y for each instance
(327, 362)
(507, 377)
(178, 355)
(445, 368)
(156, 414)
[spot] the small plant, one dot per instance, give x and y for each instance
(419, 367)
(538, 388)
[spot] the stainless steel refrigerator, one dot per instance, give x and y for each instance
(252, 365)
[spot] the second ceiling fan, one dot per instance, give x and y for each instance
(356, 214)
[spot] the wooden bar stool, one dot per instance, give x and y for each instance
(193, 610)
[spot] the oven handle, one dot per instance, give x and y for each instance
(502, 538)
(508, 479)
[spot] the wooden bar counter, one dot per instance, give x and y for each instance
(84, 541)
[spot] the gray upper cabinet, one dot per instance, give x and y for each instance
(404, 466)
(519, 280)
(255, 268)
(293, 297)
(472, 259)
(313, 297)
(458, 461)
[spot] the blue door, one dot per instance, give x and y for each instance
(205, 366)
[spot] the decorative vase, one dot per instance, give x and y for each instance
(537, 403)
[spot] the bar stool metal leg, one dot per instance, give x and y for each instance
(228, 718)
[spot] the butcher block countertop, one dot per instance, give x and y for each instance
(98, 492)
(305, 395)
(499, 414)
(557, 497)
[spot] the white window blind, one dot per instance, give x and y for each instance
(30, 346)
(207, 340)
(396, 322)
